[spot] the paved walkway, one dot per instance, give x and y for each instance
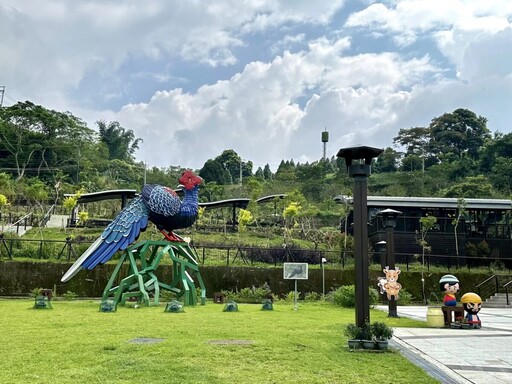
(460, 355)
(57, 221)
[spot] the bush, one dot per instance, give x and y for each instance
(345, 296)
(36, 292)
(290, 296)
(354, 332)
(249, 295)
(404, 297)
(166, 295)
(312, 296)
(69, 295)
(381, 331)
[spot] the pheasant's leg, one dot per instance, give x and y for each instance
(171, 236)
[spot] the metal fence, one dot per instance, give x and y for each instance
(69, 249)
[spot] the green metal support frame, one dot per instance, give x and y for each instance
(143, 258)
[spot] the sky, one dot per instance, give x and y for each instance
(262, 77)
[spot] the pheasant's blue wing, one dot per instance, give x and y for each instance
(161, 200)
(119, 234)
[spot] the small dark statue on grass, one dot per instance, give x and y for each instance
(156, 203)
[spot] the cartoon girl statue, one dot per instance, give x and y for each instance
(472, 304)
(450, 285)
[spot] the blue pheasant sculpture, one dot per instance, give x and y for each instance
(156, 203)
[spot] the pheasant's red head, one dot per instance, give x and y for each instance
(189, 179)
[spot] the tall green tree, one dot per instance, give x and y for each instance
(121, 142)
(415, 140)
(471, 187)
(267, 173)
(387, 161)
(213, 171)
(460, 133)
(41, 140)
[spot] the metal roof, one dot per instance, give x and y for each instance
(105, 195)
(266, 199)
(430, 202)
(236, 203)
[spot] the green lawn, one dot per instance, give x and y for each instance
(75, 343)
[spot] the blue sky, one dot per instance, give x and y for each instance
(265, 78)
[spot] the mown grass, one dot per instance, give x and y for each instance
(75, 343)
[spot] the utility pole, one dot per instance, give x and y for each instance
(2, 91)
(241, 162)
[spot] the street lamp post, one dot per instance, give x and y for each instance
(346, 202)
(381, 249)
(324, 260)
(389, 217)
(360, 170)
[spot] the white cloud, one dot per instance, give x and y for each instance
(408, 19)
(359, 85)
(254, 112)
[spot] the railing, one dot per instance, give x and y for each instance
(17, 248)
(218, 254)
(17, 223)
(47, 216)
(488, 287)
(492, 286)
(506, 291)
(449, 261)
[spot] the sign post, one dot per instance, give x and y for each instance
(295, 271)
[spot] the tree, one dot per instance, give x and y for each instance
(286, 171)
(267, 173)
(19, 146)
(415, 140)
(259, 174)
(461, 211)
(461, 132)
(471, 187)
(501, 174)
(122, 173)
(291, 212)
(387, 161)
(231, 162)
(3, 201)
(121, 143)
(37, 192)
(245, 217)
(426, 224)
(499, 146)
(213, 171)
(495, 161)
(41, 140)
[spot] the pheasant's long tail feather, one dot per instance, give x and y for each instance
(120, 233)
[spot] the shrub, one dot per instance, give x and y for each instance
(312, 296)
(36, 292)
(354, 332)
(69, 295)
(380, 331)
(345, 296)
(166, 295)
(290, 296)
(251, 295)
(404, 297)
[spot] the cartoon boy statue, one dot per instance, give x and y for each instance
(472, 304)
(450, 285)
